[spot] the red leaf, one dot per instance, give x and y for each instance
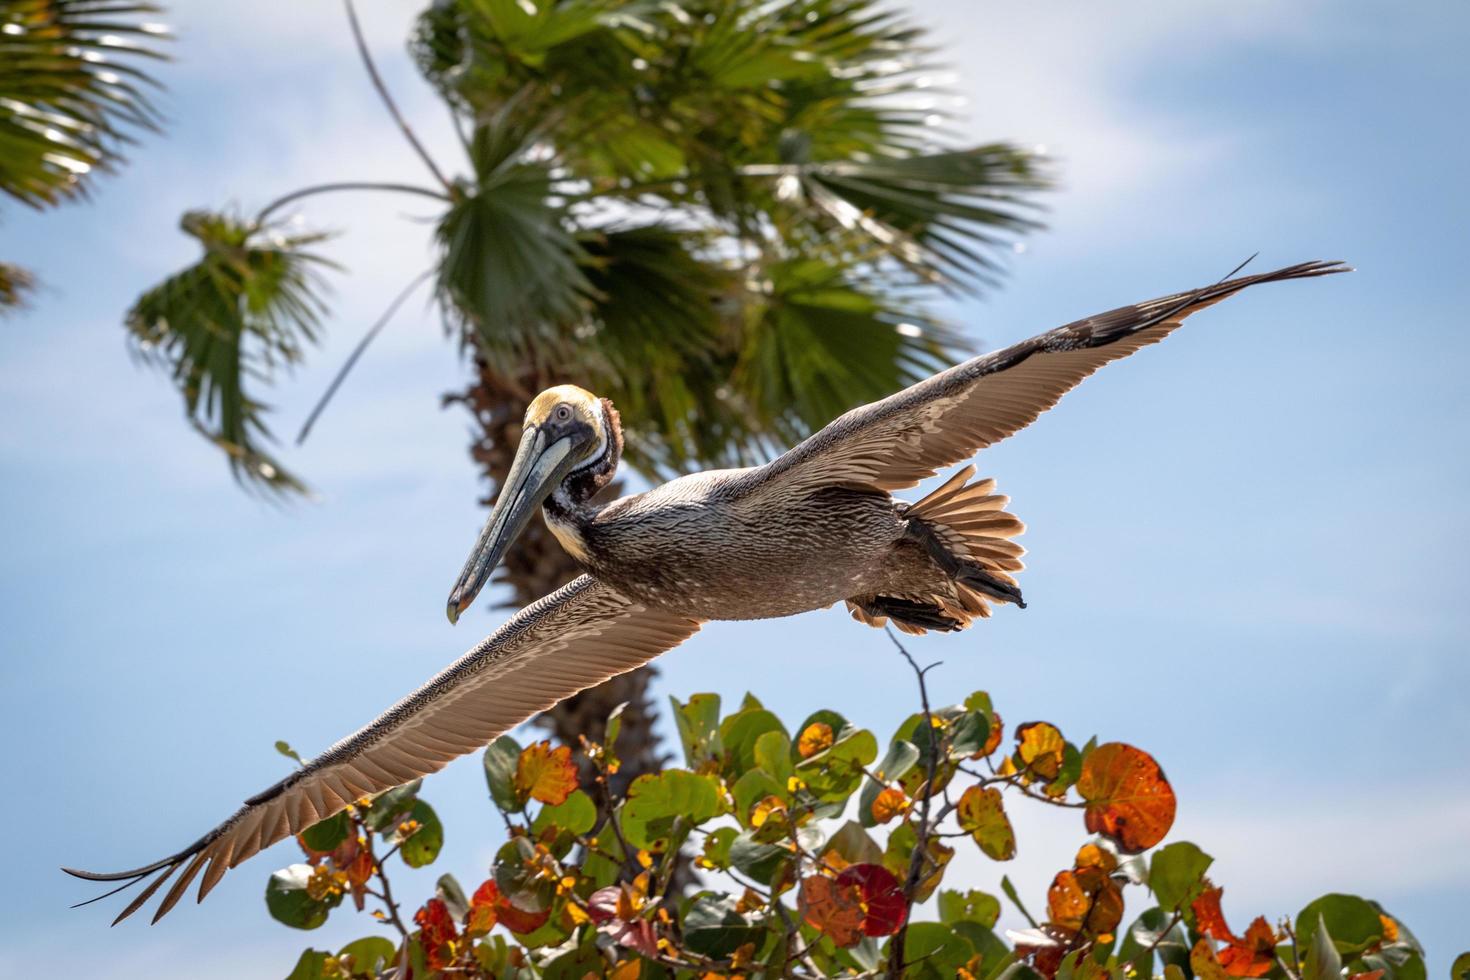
(437, 932)
(884, 906)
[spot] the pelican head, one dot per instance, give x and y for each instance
(569, 437)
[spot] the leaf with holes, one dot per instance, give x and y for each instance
(1128, 798)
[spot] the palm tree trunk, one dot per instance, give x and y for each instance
(536, 565)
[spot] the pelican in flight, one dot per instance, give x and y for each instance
(813, 527)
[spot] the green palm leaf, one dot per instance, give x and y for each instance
(510, 266)
(71, 90)
(239, 315)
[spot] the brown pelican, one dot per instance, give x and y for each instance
(814, 526)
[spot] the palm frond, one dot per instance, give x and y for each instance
(15, 284)
(243, 312)
(824, 337)
(510, 267)
(941, 216)
(72, 92)
(657, 341)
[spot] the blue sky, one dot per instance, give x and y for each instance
(1247, 546)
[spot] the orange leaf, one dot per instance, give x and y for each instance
(817, 737)
(1371, 975)
(836, 910)
(1390, 930)
(546, 774)
(889, 804)
(1041, 748)
(1086, 900)
(488, 906)
(992, 740)
(1209, 919)
(982, 813)
(1253, 956)
(1128, 798)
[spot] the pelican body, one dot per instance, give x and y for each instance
(815, 526)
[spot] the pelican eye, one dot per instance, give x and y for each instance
(563, 413)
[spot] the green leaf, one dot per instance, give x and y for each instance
(421, 847)
(1323, 961)
(717, 846)
(714, 928)
(1010, 892)
(698, 721)
(1352, 921)
(386, 808)
(1176, 874)
(740, 732)
(249, 307)
(1460, 969)
(289, 903)
(448, 890)
(970, 906)
(853, 844)
(654, 801)
(311, 966)
(285, 749)
(575, 816)
(501, 757)
(369, 955)
(614, 728)
(773, 754)
(325, 835)
(832, 776)
(750, 789)
(575, 964)
(754, 859)
(1148, 930)
(934, 950)
(73, 93)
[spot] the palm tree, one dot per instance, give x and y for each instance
(71, 93)
(729, 216)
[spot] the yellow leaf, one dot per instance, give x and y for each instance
(983, 815)
(546, 774)
(1041, 748)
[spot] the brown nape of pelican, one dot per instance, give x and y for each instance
(814, 526)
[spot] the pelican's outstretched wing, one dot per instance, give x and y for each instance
(578, 636)
(896, 442)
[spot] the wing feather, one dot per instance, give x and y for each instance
(577, 637)
(895, 443)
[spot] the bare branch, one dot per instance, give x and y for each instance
(372, 70)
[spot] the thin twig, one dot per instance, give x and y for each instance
(372, 70)
(921, 847)
(362, 345)
(346, 185)
(1168, 928)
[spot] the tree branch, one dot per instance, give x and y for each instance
(362, 345)
(921, 848)
(377, 80)
(347, 185)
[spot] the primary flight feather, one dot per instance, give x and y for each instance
(814, 526)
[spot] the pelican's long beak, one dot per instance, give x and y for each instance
(537, 469)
